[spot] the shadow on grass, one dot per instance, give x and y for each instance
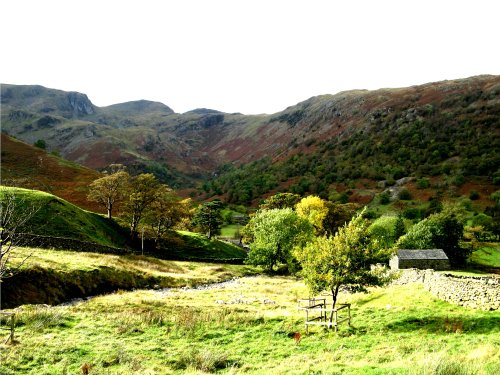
(368, 299)
(446, 324)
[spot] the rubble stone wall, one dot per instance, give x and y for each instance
(474, 292)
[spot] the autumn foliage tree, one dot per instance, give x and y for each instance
(109, 190)
(142, 192)
(315, 210)
(166, 211)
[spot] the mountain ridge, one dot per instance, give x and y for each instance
(182, 148)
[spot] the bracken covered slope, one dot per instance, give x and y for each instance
(359, 125)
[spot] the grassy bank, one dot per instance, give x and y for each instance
(56, 217)
(54, 276)
(245, 328)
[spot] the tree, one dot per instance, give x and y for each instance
(166, 211)
(141, 194)
(344, 259)
(383, 229)
(314, 209)
(15, 214)
(338, 215)
(399, 228)
(208, 217)
(40, 143)
(109, 190)
(275, 233)
(280, 200)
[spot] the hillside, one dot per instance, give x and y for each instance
(445, 128)
(30, 167)
(56, 217)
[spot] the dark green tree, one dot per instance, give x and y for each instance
(208, 217)
(40, 144)
(399, 228)
(281, 200)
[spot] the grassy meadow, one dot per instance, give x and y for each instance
(245, 327)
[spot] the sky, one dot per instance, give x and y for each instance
(257, 56)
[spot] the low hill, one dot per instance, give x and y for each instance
(30, 167)
(56, 217)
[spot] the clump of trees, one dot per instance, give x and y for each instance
(275, 234)
(143, 200)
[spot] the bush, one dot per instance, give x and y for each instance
(474, 195)
(412, 213)
(423, 183)
(404, 195)
(384, 198)
(40, 144)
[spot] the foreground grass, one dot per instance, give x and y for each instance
(245, 328)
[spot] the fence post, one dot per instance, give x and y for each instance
(12, 325)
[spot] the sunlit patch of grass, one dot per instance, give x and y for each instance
(399, 330)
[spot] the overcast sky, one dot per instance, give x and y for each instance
(243, 56)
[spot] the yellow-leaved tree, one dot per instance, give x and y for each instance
(314, 209)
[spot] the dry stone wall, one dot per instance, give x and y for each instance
(474, 292)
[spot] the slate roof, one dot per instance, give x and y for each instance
(436, 254)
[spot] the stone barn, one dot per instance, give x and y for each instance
(422, 259)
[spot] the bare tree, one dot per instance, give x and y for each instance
(15, 213)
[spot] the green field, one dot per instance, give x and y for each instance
(487, 255)
(245, 328)
(230, 231)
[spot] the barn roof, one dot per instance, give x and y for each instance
(437, 254)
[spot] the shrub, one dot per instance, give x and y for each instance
(474, 195)
(423, 183)
(40, 144)
(411, 213)
(384, 198)
(404, 195)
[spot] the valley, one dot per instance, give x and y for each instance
(280, 205)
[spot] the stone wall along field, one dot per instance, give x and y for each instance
(481, 292)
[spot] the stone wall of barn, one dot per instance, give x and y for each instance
(423, 264)
(481, 292)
